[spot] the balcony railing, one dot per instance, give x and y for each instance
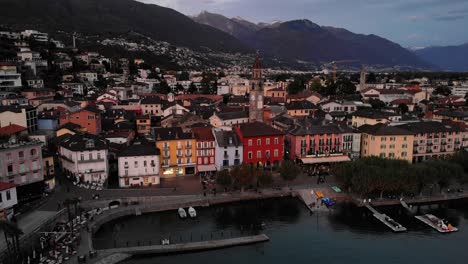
(188, 154)
(226, 156)
(179, 154)
(189, 146)
(90, 161)
(166, 155)
(166, 148)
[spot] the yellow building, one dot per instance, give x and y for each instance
(301, 108)
(385, 141)
(178, 152)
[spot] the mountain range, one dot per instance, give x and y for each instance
(451, 58)
(117, 16)
(299, 41)
(306, 41)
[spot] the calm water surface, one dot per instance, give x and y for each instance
(349, 235)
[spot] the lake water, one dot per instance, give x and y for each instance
(348, 235)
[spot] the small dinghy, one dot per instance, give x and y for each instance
(182, 213)
(192, 212)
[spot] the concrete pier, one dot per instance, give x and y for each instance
(115, 255)
(392, 224)
(432, 221)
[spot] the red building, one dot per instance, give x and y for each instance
(88, 118)
(205, 149)
(263, 144)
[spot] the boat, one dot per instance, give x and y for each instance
(192, 212)
(182, 213)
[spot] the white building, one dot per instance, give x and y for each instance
(460, 90)
(139, 165)
(8, 199)
(175, 110)
(84, 158)
(90, 77)
(229, 119)
(10, 79)
(228, 149)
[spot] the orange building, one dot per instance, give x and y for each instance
(88, 118)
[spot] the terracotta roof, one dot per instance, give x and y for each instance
(11, 129)
(6, 185)
(258, 129)
(401, 101)
(203, 133)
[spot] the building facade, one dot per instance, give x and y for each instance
(385, 141)
(139, 165)
(205, 149)
(84, 157)
(434, 140)
(88, 118)
(178, 151)
(228, 149)
(263, 145)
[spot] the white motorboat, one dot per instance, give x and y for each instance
(182, 213)
(192, 212)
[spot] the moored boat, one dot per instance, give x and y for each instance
(192, 212)
(182, 213)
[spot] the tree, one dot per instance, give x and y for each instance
(192, 89)
(296, 86)
(376, 103)
(289, 170)
(442, 90)
(243, 175)
(164, 88)
(403, 108)
(224, 178)
(179, 88)
(345, 87)
(317, 86)
(184, 76)
(265, 178)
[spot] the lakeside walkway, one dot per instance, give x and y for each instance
(115, 255)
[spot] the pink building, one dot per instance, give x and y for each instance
(21, 164)
(205, 149)
(434, 140)
(319, 144)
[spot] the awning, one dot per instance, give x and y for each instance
(203, 168)
(331, 159)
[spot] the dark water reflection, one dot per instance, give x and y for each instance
(348, 235)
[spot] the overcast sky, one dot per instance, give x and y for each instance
(407, 22)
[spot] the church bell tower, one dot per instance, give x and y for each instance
(256, 92)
